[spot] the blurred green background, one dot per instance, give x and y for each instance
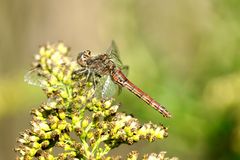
(183, 53)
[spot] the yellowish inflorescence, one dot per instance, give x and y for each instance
(72, 110)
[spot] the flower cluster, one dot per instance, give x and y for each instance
(73, 123)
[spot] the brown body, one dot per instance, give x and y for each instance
(119, 78)
(103, 65)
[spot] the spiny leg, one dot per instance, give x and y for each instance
(94, 81)
(88, 75)
(79, 72)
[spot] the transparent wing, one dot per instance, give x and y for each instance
(106, 88)
(99, 86)
(32, 77)
(110, 89)
(125, 70)
(113, 53)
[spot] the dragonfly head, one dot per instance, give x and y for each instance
(83, 57)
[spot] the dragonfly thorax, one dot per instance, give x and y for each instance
(99, 64)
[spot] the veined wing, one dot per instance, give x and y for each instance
(125, 70)
(34, 78)
(113, 53)
(106, 88)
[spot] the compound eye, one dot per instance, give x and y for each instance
(83, 57)
(80, 56)
(88, 53)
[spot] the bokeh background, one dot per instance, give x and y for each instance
(183, 53)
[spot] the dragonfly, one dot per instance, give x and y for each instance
(111, 75)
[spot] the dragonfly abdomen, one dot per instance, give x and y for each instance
(122, 80)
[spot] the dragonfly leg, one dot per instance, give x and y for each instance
(94, 81)
(78, 73)
(83, 75)
(88, 75)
